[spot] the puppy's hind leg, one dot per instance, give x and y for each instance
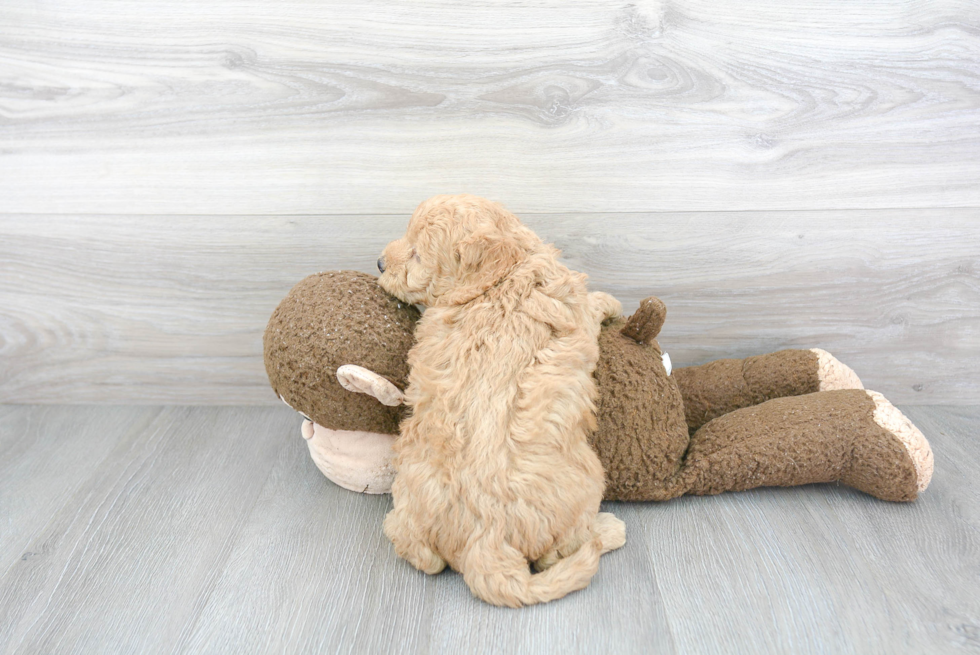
(398, 528)
(564, 548)
(604, 306)
(498, 573)
(611, 530)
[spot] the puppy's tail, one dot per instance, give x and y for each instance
(500, 574)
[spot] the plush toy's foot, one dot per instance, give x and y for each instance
(893, 421)
(852, 436)
(832, 374)
(359, 461)
(725, 385)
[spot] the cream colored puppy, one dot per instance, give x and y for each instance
(493, 466)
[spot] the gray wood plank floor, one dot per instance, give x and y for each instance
(208, 529)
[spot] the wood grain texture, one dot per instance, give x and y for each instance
(130, 558)
(44, 466)
(171, 308)
(210, 530)
(316, 107)
(331, 583)
(821, 569)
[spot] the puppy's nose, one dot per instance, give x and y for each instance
(381, 264)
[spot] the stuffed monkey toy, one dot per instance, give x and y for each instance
(336, 350)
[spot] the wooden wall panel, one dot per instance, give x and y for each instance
(170, 309)
(311, 107)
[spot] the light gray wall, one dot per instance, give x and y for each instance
(781, 174)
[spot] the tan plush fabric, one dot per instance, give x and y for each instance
(328, 320)
(833, 374)
(891, 419)
(359, 461)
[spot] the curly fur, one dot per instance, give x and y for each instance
(493, 466)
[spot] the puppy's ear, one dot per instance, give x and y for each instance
(483, 258)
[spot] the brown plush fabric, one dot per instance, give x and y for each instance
(822, 437)
(326, 321)
(641, 434)
(719, 387)
(645, 324)
(344, 317)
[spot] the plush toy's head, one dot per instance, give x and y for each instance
(330, 320)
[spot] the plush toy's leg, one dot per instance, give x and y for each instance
(716, 388)
(853, 436)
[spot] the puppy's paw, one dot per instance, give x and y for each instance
(610, 530)
(604, 306)
(401, 530)
(546, 561)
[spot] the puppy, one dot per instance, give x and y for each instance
(493, 467)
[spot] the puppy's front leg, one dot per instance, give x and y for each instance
(604, 306)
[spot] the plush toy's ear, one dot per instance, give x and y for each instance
(361, 380)
(645, 324)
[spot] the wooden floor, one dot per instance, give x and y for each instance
(208, 529)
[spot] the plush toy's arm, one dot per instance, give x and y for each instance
(361, 380)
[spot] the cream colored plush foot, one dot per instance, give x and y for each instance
(890, 418)
(833, 374)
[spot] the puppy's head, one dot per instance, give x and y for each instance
(456, 247)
